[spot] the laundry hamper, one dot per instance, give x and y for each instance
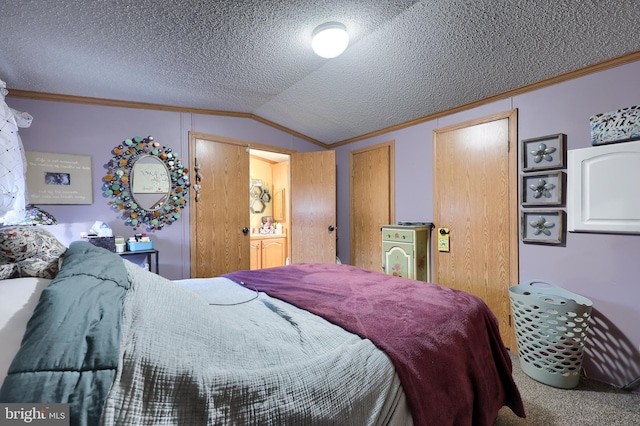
(551, 326)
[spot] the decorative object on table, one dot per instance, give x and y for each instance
(148, 182)
(121, 244)
(107, 243)
(139, 242)
(54, 178)
(101, 235)
(551, 326)
(268, 225)
(543, 226)
(13, 168)
(543, 188)
(101, 229)
(544, 153)
(622, 125)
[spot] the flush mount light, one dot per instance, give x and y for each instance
(330, 39)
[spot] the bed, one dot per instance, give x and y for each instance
(298, 344)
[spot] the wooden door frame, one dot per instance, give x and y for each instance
(392, 198)
(513, 183)
(220, 139)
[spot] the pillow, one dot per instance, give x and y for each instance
(34, 249)
(9, 270)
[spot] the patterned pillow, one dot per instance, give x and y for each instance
(9, 270)
(35, 250)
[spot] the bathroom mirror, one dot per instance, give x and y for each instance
(148, 182)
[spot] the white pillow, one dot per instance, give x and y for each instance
(18, 298)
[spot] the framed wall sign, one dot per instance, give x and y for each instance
(54, 178)
(543, 226)
(544, 153)
(542, 188)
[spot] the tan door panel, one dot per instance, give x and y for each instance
(371, 203)
(219, 221)
(475, 197)
(313, 207)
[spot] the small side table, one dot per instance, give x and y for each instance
(148, 253)
(406, 250)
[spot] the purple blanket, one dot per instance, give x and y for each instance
(444, 343)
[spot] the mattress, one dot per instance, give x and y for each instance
(18, 298)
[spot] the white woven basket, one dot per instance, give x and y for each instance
(551, 330)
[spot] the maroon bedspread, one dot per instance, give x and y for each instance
(444, 343)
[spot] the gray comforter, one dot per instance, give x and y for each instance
(229, 355)
(121, 345)
(70, 349)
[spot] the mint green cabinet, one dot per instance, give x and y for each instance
(406, 251)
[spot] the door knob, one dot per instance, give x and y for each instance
(245, 230)
(331, 228)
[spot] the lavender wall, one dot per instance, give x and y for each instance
(598, 266)
(601, 267)
(95, 130)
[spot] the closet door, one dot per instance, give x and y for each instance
(313, 207)
(475, 195)
(372, 194)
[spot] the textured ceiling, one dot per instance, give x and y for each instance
(406, 59)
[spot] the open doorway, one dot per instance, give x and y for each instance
(220, 214)
(269, 193)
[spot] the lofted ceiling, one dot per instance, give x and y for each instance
(406, 59)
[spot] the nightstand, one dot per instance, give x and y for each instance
(406, 251)
(147, 253)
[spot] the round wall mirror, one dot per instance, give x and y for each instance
(148, 182)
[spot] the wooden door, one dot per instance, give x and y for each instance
(313, 207)
(371, 203)
(219, 223)
(475, 196)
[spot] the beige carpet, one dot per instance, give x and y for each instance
(590, 403)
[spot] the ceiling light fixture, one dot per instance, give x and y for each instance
(330, 39)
